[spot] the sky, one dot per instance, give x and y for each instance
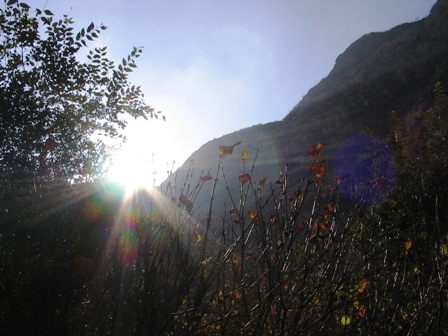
(214, 67)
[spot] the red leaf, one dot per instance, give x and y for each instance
(184, 200)
(244, 178)
(340, 179)
(41, 158)
(206, 178)
(50, 144)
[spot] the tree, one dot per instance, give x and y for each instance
(52, 102)
(404, 241)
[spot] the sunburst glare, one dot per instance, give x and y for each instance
(147, 157)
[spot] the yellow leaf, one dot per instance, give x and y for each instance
(321, 145)
(226, 150)
(234, 260)
(198, 236)
(444, 249)
(252, 214)
(345, 320)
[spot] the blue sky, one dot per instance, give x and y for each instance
(214, 67)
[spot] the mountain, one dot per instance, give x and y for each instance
(395, 70)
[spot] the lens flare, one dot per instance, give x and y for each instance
(364, 169)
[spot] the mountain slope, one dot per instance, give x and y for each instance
(379, 73)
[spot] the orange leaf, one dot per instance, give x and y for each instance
(313, 151)
(261, 183)
(235, 260)
(295, 194)
(252, 215)
(330, 208)
(317, 168)
(363, 285)
(248, 255)
(361, 311)
(408, 245)
(318, 177)
(232, 212)
(237, 294)
(244, 178)
(322, 145)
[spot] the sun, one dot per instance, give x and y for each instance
(147, 157)
(132, 170)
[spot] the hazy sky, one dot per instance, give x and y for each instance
(214, 67)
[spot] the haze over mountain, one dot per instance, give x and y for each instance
(395, 70)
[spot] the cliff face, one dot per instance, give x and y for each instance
(381, 72)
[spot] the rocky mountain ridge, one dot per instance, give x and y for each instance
(381, 72)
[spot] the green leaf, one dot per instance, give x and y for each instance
(90, 27)
(48, 12)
